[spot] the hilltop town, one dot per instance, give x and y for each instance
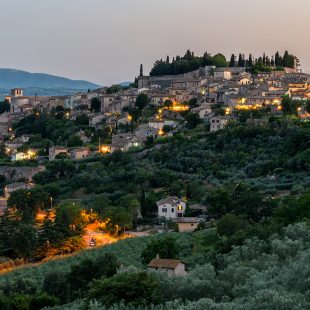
(155, 106)
(185, 187)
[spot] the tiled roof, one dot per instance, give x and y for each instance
(59, 148)
(164, 263)
(187, 220)
(171, 200)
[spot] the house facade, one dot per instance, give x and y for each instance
(171, 208)
(79, 153)
(218, 123)
(123, 142)
(10, 188)
(56, 150)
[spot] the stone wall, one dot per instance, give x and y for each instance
(17, 173)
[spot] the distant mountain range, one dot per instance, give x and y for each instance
(125, 84)
(41, 84)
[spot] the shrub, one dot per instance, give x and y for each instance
(136, 288)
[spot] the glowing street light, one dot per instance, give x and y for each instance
(161, 132)
(105, 149)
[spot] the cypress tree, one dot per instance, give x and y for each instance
(240, 61)
(276, 59)
(292, 61)
(232, 61)
(281, 61)
(143, 204)
(286, 59)
(250, 61)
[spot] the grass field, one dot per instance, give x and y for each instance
(194, 249)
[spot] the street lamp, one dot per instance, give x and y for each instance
(51, 198)
(48, 248)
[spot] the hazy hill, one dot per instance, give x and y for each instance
(40, 83)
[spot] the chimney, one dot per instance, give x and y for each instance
(157, 256)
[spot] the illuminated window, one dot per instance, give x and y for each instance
(180, 208)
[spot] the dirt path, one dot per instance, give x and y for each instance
(92, 232)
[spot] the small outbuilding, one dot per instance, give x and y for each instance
(173, 267)
(187, 224)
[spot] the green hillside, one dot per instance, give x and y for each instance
(260, 274)
(253, 253)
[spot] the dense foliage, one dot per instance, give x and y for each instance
(4, 106)
(241, 171)
(260, 274)
(189, 62)
(253, 180)
(56, 128)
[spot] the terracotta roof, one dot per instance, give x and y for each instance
(80, 149)
(164, 263)
(171, 200)
(187, 220)
(20, 97)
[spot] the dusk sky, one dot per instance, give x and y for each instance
(105, 41)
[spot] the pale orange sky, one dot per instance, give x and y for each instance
(105, 41)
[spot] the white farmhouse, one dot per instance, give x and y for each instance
(171, 208)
